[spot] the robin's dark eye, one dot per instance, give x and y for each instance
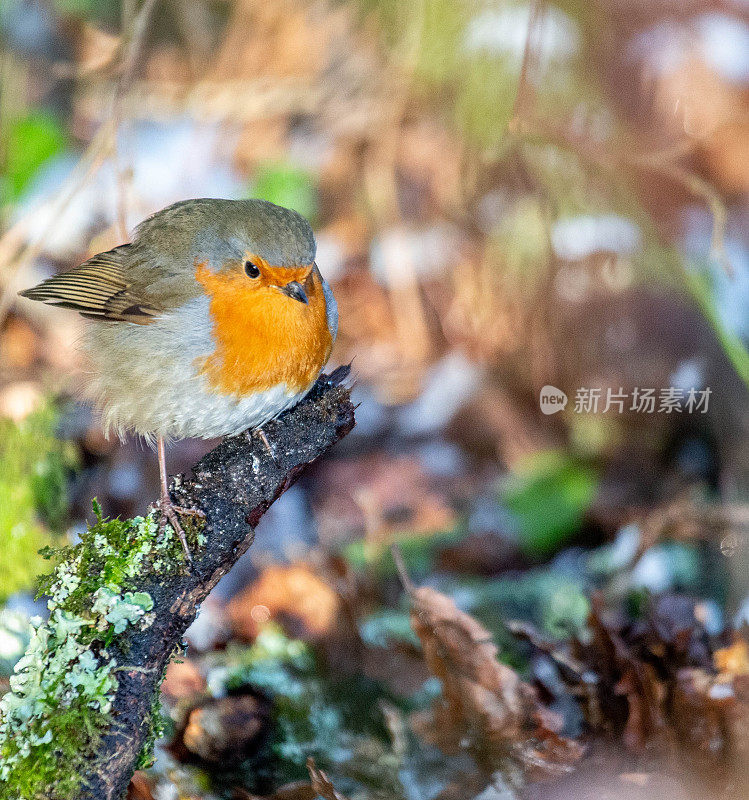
(251, 270)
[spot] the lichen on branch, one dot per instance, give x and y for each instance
(79, 717)
(63, 688)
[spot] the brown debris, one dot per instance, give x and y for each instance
(656, 684)
(183, 680)
(294, 596)
(139, 788)
(626, 677)
(485, 707)
(321, 783)
(222, 730)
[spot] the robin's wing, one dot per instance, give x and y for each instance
(99, 289)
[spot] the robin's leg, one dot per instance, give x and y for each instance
(268, 446)
(170, 511)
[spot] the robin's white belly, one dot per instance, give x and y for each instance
(144, 379)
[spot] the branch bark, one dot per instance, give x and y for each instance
(234, 485)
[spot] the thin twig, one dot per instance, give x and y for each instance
(16, 255)
(700, 188)
(530, 60)
(660, 162)
(12, 246)
(400, 566)
(138, 24)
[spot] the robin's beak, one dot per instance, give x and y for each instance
(296, 291)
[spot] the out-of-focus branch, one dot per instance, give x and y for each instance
(524, 96)
(136, 28)
(15, 251)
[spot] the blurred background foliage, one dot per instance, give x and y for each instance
(35, 467)
(506, 195)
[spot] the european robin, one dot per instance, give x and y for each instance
(214, 319)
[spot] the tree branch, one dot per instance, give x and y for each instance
(234, 485)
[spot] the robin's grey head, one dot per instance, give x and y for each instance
(279, 235)
(238, 229)
(220, 231)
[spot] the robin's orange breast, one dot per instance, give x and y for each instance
(263, 338)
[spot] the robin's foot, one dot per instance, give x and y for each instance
(171, 513)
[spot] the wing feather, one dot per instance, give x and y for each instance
(98, 289)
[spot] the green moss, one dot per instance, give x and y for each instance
(62, 689)
(156, 727)
(34, 465)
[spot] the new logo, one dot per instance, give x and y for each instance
(552, 400)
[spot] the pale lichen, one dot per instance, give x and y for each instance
(63, 687)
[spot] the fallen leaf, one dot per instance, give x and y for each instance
(139, 788)
(655, 683)
(622, 675)
(321, 783)
(485, 707)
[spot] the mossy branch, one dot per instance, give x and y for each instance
(121, 601)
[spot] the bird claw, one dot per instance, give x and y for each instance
(170, 512)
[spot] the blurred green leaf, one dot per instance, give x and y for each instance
(698, 284)
(289, 186)
(30, 142)
(549, 494)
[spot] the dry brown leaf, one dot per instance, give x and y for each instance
(635, 681)
(321, 783)
(710, 715)
(622, 675)
(484, 707)
(656, 683)
(139, 788)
